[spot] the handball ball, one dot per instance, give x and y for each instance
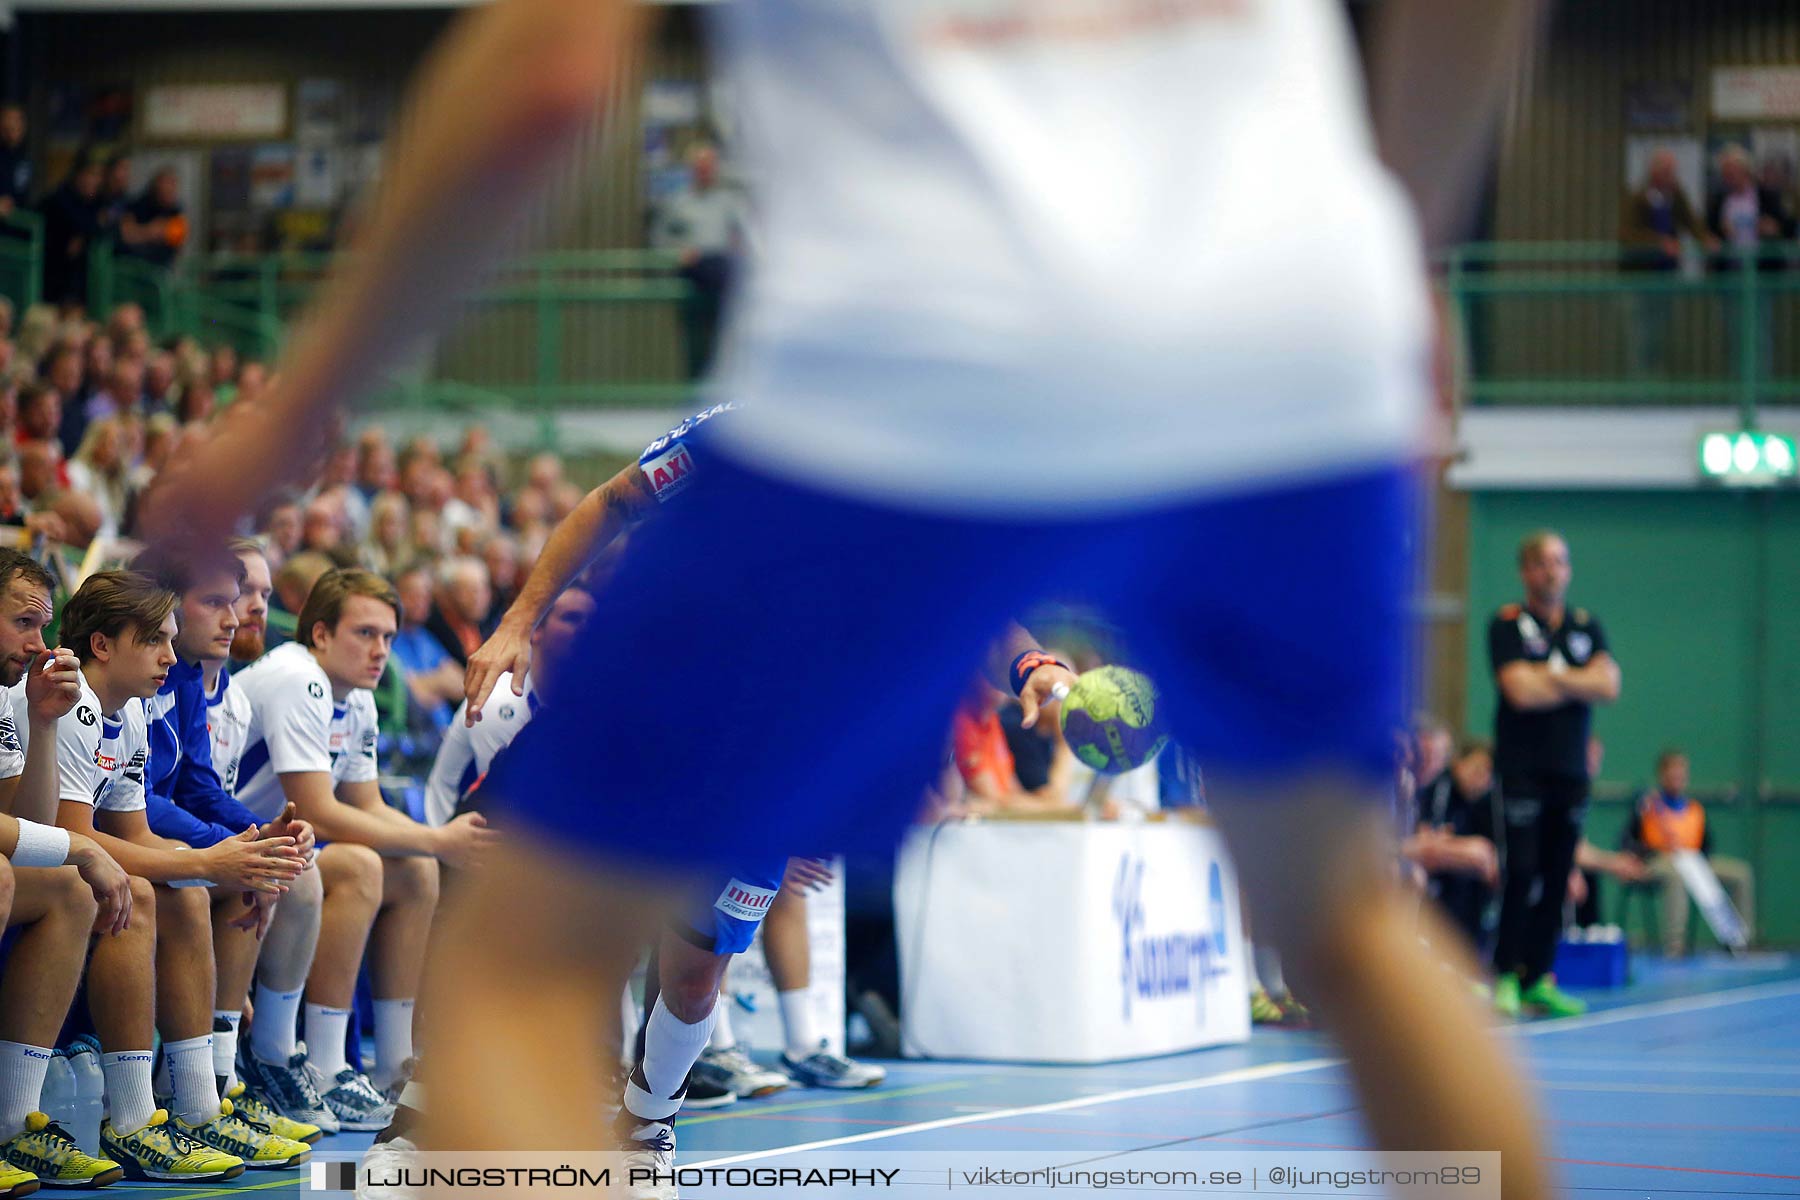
(1109, 720)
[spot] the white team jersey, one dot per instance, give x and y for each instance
(465, 754)
(295, 726)
(1033, 254)
(228, 723)
(101, 759)
(12, 743)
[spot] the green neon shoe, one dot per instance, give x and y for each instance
(1545, 997)
(1506, 996)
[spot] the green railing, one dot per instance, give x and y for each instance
(1591, 323)
(22, 259)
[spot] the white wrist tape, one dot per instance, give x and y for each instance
(41, 846)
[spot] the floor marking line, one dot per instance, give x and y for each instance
(869, 1096)
(1631, 1012)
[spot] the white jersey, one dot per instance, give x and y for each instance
(1033, 254)
(12, 743)
(101, 758)
(465, 754)
(228, 723)
(295, 726)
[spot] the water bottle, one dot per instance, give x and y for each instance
(90, 1097)
(58, 1098)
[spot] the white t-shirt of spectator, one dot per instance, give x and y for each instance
(709, 222)
(100, 758)
(295, 726)
(228, 721)
(465, 754)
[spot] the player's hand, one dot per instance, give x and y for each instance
(807, 875)
(259, 910)
(253, 863)
(1051, 681)
(289, 824)
(53, 685)
(1577, 886)
(106, 879)
(508, 650)
(461, 841)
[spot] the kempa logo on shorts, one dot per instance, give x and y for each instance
(744, 902)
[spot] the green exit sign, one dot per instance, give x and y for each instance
(1747, 458)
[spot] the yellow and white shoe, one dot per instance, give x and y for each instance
(46, 1150)
(262, 1116)
(164, 1151)
(16, 1181)
(231, 1134)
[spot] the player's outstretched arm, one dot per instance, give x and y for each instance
(499, 104)
(1440, 70)
(589, 528)
(1040, 685)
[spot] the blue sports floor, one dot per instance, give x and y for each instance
(1686, 1083)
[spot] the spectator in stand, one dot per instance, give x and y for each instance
(99, 470)
(62, 370)
(159, 432)
(563, 499)
(194, 403)
(375, 467)
(253, 378)
(433, 678)
(37, 332)
(159, 382)
(154, 228)
(389, 549)
(529, 517)
(338, 479)
(465, 613)
(1744, 217)
(427, 532)
(115, 194)
(38, 464)
(501, 555)
(322, 526)
(1651, 222)
(6, 317)
(704, 224)
(1668, 820)
(80, 516)
(124, 321)
(293, 582)
(96, 395)
(71, 224)
(15, 160)
(222, 366)
(281, 528)
(40, 412)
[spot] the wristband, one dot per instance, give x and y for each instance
(40, 846)
(1026, 663)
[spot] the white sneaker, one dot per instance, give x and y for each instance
(385, 1161)
(822, 1069)
(737, 1072)
(649, 1147)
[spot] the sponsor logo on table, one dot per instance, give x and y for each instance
(1160, 965)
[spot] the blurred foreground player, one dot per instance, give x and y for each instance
(966, 385)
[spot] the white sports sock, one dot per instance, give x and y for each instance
(129, 1104)
(722, 1037)
(671, 1048)
(797, 1021)
(22, 1070)
(327, 1034)
(191, 1075)
(272, 1033)
(628, 1023)
(225, 1039)
(1268, 969)
(393, 1040)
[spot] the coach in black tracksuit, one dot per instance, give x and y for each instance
(1551, 665)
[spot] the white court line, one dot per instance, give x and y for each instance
(1631, 1012)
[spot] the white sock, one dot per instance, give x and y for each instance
(628, 1023)
(393, 1040)
(225, 1038)
(129, 1104)
(797, 1019)
(22, 1070)
(671, 1048)
(722, 1038)
(191, 1073)
(1268, 969)
(327, 1035)
(272, 1033)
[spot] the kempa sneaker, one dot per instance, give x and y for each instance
(1263, 1009)
(260, 1149)
(1546, 998)
(353, 1100)
(1507, 1001)
(823, 1069)
(46, 1150)
(15, 1182)
(287, 1088)
(734, 1070)
(161, 1151)
(264, 1117)
(648, 1168)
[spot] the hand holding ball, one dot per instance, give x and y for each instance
(1109, 719)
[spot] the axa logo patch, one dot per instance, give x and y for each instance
(670, 472)
(105, 762)
(744, 901)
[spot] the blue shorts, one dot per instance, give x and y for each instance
(773, 668)
(724, 915)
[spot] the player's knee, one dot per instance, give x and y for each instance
(690, 998)
(305, 893)
(71, 897)
(412, 880)
(143, 907)
(187, 909)
(8, 886)
(356, 871)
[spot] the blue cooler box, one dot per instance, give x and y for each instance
(1592, 963)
